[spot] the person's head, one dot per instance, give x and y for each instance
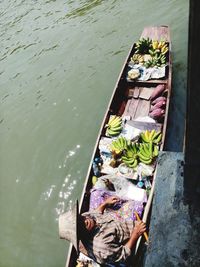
(86, 225)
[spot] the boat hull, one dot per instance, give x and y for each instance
(123, 102)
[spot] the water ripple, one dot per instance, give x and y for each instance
(47, 49)
(37, 17)
(81, 10)
(15, 76)
(17, 48)
(5, 97)
(49, 1)
(29, 45)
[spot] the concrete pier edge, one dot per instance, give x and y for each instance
(173, 233)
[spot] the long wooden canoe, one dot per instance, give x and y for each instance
(125, 101)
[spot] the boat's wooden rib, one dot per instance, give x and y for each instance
(131, 99)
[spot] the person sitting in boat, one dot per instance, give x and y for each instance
(104, 239)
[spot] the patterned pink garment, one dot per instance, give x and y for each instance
(124, 210)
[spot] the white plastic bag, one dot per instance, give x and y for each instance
(126, 190)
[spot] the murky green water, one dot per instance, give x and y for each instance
(59, 61)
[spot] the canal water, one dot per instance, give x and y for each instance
(59, 61)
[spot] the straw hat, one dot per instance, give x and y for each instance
(68, 226)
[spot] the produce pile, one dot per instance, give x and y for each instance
(150, 53)
(144, 150)
(158, 102)
(114, 126)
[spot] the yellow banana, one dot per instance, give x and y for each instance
(151, 134)
(155, 44)
(164, 46)
(143, 137)
(112, 117)
(116, 122)
(160, 45)
(94, 179)
(146, 133)
(164, 49)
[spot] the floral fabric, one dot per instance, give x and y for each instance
(123, 210)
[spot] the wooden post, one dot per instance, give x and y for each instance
(192, 137)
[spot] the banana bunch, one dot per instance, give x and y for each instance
(137, 58)
(151, 136)
(114, 126)
(143, 46)
(147, 152)
(160, 46)
(156, 60)
(119, 145)
(157, 52)
(130, 156)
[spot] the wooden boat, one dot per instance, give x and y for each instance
(125, 101)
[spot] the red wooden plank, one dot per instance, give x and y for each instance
(126, 111)
(133, 107)
(142, 109)
(136, 92)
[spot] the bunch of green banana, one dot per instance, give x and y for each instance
(119, 145)
(130, 157)
(114, 126)
(137, 58)
(151, 136)
(143, 46)
(147, 152)
(157, 52)
(156, 60)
